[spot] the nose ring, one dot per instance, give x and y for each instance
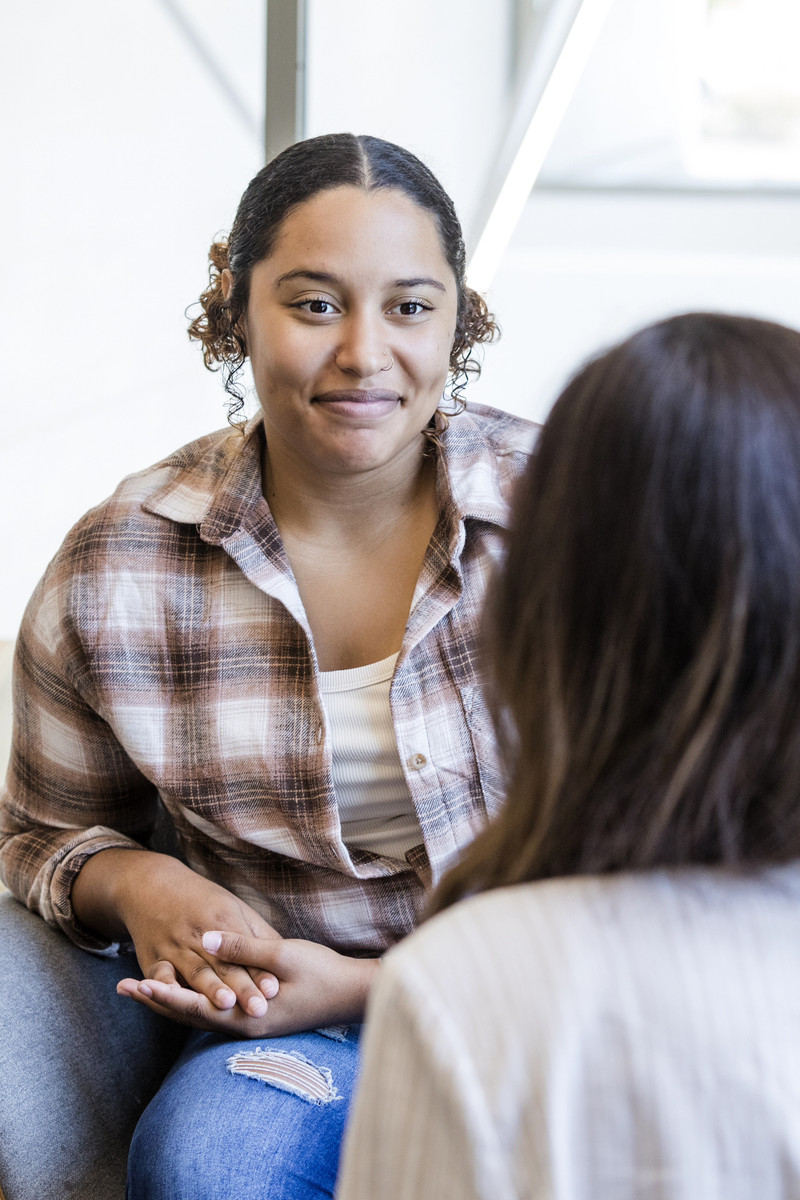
(390, 363)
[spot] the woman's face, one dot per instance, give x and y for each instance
(349, 328)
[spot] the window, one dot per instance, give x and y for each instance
(744, 109)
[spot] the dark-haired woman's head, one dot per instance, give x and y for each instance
(643, 636)
(295, 176)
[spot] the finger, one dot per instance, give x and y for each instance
(163, 970)
(236, 948)
(128, 987)
(188, 972)
(138, 989)
(192, 1008)
(238, 983)
(224, 985)
(193, 972)
(198, 976)
(267, 983)
(173, 1001)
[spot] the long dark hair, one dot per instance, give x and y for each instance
(643, 637)
(298, 173)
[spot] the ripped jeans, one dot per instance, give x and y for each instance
(247, 1120)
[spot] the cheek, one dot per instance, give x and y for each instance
(434, 355)
(279, 361)
(444, 365)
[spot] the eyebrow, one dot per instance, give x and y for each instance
(325, 278)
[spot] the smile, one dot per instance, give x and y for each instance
(358, 403)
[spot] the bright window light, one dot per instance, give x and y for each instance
(744, 110)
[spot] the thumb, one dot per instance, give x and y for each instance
(236, 948)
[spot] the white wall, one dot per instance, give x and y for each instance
(128, 157)
(433, 75)
(122, 157)
(586, 268)
(625, 121)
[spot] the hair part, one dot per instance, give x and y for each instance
(294, 176)
(643, 636)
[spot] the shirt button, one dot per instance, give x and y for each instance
(320, 733)
(417, 761)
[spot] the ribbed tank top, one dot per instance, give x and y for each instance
(375, 806)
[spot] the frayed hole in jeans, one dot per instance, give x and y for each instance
(288, 1071)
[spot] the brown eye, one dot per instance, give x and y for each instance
(411, 308)
(322, 307)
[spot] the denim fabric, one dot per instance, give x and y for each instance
(212, 1135)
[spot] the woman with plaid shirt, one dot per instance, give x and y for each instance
(272, 633)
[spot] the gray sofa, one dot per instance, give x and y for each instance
(77, 1064)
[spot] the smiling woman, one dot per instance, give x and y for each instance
(374, 295)
(349, 372)
(273, 633)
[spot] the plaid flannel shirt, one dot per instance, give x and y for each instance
(166, 653)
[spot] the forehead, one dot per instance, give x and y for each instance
(381, 228)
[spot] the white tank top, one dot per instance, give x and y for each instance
(375, 806)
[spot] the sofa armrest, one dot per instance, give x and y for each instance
(78, 1063)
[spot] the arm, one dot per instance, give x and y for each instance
(162, 906)
(71, 791)
(78, 807)
(75, 811)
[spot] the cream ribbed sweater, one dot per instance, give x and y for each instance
(618, 1038)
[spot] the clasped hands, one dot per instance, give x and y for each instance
(259, 987)
(210, 960)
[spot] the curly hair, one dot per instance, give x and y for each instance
(295, 175)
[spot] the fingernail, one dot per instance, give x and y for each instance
(225, 998)
(145, 989)
(212, 942)
(256, 1006)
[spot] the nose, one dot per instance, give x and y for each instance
(362, 350)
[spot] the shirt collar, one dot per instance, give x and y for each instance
(216, 488)
(219, 489)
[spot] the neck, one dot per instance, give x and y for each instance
(303, 499)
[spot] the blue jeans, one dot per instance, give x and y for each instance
(210, 1134)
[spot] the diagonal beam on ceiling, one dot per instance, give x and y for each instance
(552, 68)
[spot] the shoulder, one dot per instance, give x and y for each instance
(480, 925)
(197, 466)
(483, 453)
(194, 471)
(125, 535)
(671, 931)
(504, 432)
(565, 994)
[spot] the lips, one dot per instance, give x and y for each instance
(360, 404)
